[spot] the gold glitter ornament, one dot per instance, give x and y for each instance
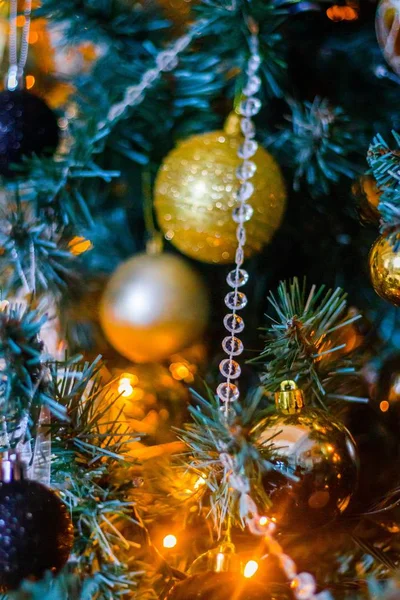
(387, 25)
(153, 306)
(384, 266)
(195, 195)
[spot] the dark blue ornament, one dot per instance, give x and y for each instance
(36, 532)
(27, 126)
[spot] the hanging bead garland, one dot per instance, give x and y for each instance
(303, 584)
(236, 300)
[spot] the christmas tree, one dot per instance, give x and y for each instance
(200, 281)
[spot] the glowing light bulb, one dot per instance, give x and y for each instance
(384, 406)
(201, 481)
(170, 541)
(125, 388)
(29, 81)
(263, 521)
(79, 244)
(250, 569)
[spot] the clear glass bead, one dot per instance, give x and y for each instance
(239, 257)
(150, 76)
(245, 191)
(247, 149)
(250, 107)
(233, 323)
(167, 60)
(254, 64)
(241, 234)
(228, 392)
(236, 300)
(237, 278)
(248, 128)
(246, 170)
(252, 86)
(232, 345)
(303, 586)
(230, 368)
(133, 93)
(288, 566)
(182, 42)
(242, 213)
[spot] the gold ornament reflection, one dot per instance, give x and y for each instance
(384, 264)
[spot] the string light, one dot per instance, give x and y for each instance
(29, 81)
(170, 541)
(250, 569)
(126, 385)
(78, 244)
(384, 406)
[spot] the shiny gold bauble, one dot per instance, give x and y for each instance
(387, 25)
(315, 461)
(384, 267)
(195, 195)
(218, 586)
(153, 306)
(367, 194)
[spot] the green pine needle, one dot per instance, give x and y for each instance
(301, 344)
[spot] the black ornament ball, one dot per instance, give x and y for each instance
(27, 126)
(217, 586)
(316, 468)
(36, 532)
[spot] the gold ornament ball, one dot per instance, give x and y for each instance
(384, 265)
(316, 463)
(153, 306)
(195, 195)
(388, 31)
(367, 195)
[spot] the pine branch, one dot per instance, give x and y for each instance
(66, 586)
(319, 145)
(210, 436)
(25, 381)
(384, 163)
(302, 341)
(88, 452)
(33, 256)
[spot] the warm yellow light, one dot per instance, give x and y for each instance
(263, 521)
(125, 388)
(170, 541)
(384, 406)
(250, 569)
(29, 81)
(79, 245)
(201, 481)
(126, 384)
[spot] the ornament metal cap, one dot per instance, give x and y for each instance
(11, 467)
(290, 399)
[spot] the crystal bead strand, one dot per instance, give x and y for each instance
(303, 584)
(165, 61)
(236, 300)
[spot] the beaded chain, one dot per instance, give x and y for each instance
(303, 584)
(165, 61)
(237, 300)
